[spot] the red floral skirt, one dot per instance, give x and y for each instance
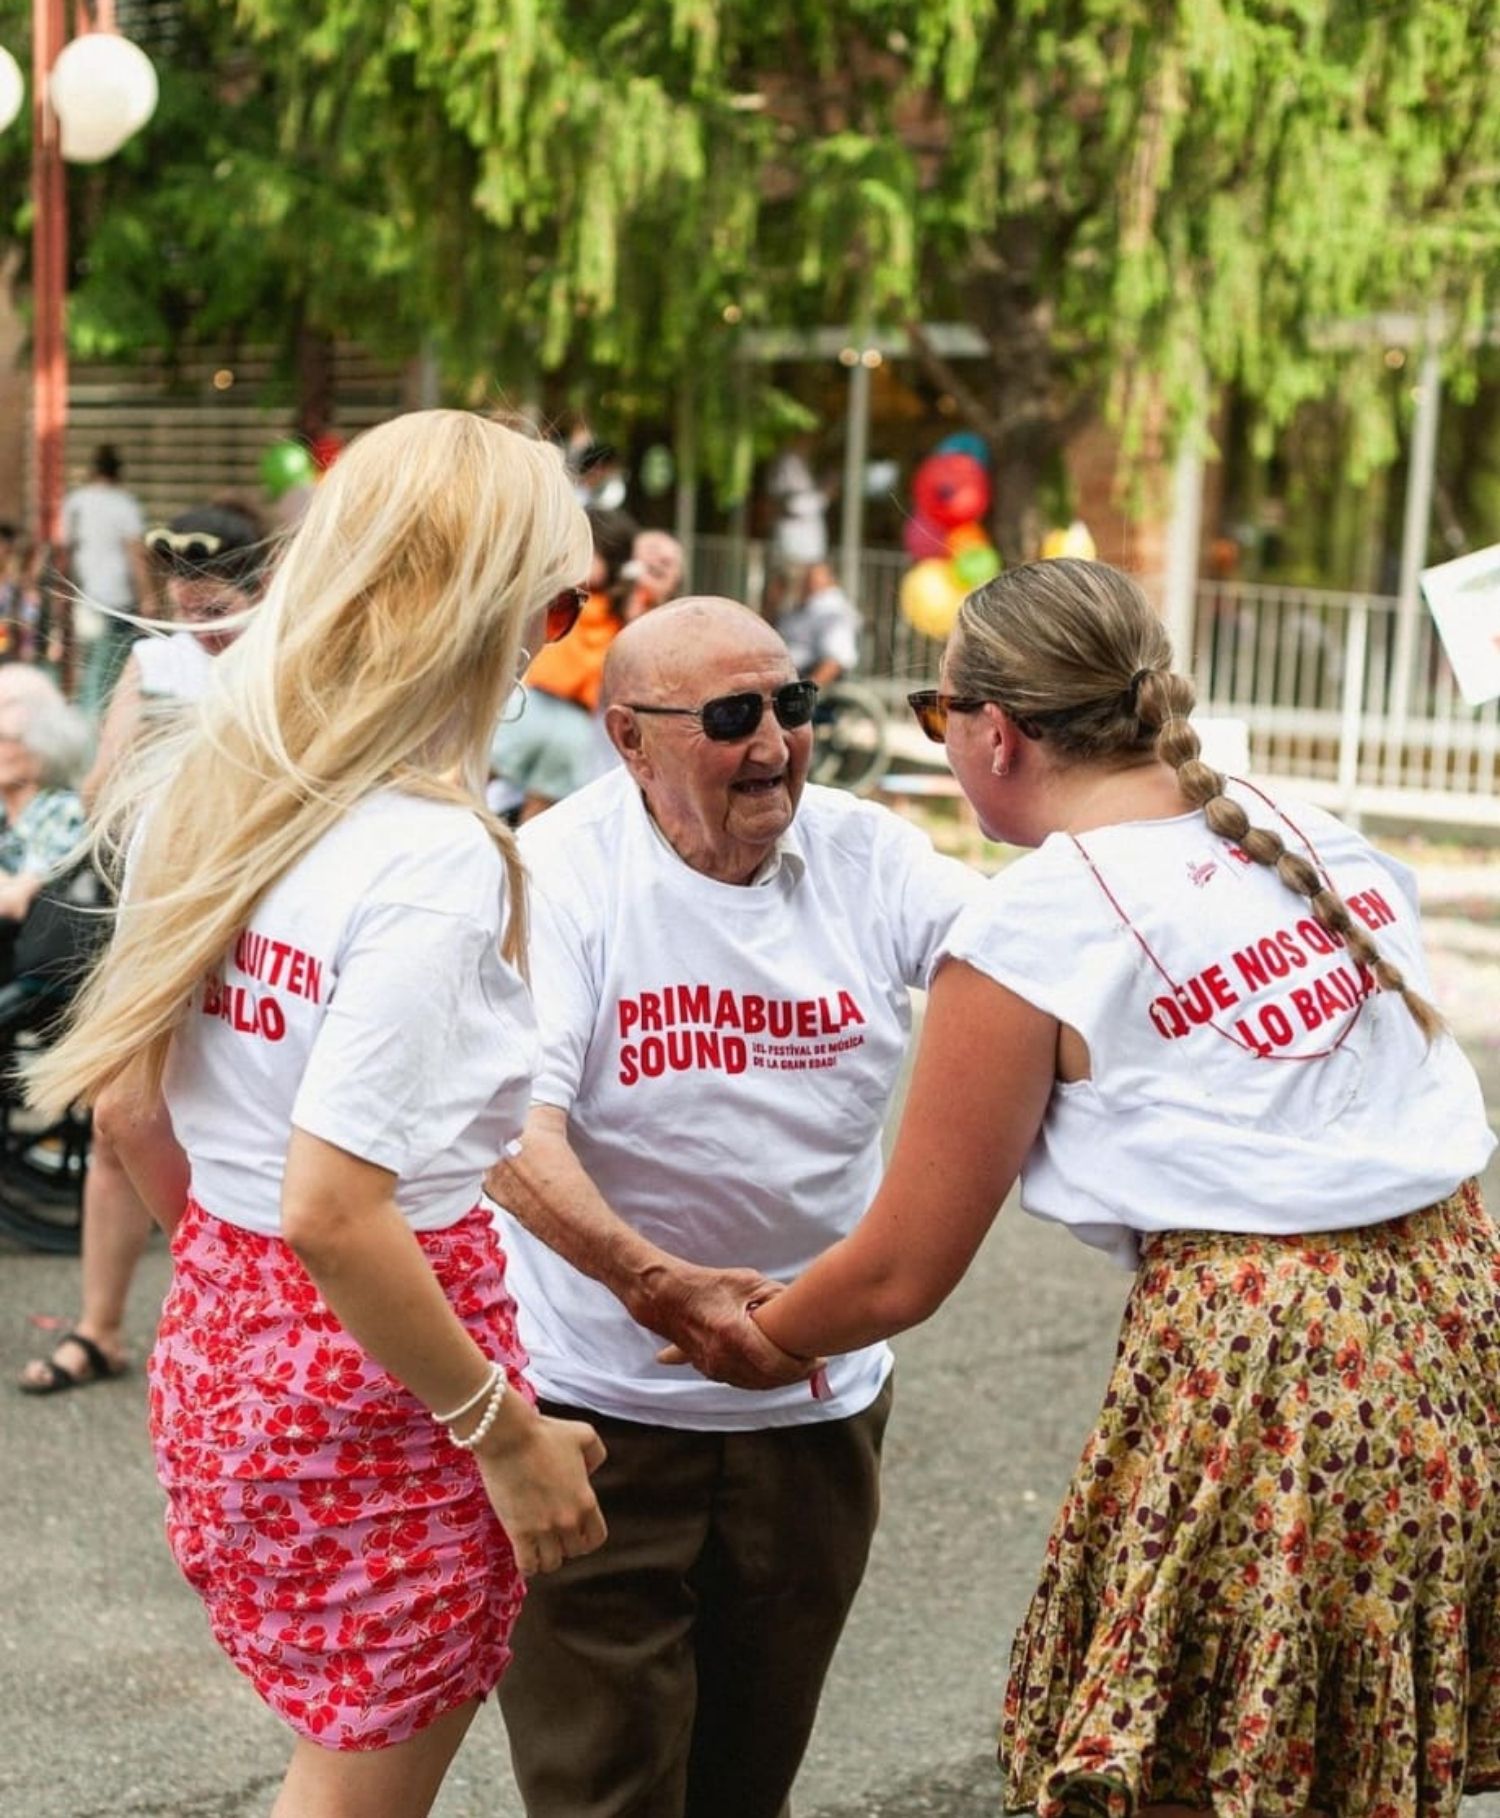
(350, 1563)
(1274, 1586)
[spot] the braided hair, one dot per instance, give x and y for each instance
(1079, 659)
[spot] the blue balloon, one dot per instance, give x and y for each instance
(966, 441)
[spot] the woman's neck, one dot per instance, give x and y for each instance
(1080, 800)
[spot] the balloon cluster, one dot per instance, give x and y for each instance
(291, 463)
(945, 535)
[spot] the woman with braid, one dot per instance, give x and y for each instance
(1193, 1021)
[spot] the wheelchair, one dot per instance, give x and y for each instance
(43, 1162)
(849, 738)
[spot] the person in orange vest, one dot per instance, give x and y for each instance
(553, 747)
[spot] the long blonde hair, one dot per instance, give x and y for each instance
(1078, 657)
(380, 657)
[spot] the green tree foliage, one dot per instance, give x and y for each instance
(1129, 199)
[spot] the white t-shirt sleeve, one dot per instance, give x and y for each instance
(929, 893)
(565, 995)
(414, 1039)
(1014, 932)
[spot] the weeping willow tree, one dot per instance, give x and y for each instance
(1131, 200)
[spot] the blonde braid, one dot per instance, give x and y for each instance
(1164, 700)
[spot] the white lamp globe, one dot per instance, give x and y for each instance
(102, 89)
(12, 88)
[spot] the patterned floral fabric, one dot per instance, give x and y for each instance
(350, 1562)
(1274, 1585)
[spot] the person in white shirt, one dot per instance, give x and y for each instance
(722, 964)
(817, 621)
(103, 529)
(308, 1038)
(1194, 1022)
(215, 558)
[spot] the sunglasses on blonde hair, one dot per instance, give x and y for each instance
(184, 545)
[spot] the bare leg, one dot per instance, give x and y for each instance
(398, 1782)
(116, 1226)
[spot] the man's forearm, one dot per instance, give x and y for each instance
(546, 1189)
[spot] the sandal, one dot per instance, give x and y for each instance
(100, 1368)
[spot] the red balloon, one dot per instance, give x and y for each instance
(924, 539)
(951, 489)
(325, 450)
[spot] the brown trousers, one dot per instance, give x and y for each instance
(676, 1672)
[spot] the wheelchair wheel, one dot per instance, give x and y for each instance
(41, 1184)
(849, 740)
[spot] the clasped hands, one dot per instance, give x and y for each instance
(707, 1316)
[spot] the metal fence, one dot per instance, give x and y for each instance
(1314, 675)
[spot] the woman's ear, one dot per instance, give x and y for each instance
(1002, 738)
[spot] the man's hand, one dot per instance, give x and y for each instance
(706, 1315)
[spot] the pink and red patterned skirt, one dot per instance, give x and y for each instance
(350, 1563)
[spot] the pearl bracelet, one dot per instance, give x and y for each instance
(497, 1387)
(447, 1420)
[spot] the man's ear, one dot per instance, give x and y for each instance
(624, 730)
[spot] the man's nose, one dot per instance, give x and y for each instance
(768, 746)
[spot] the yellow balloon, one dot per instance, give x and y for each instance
(1075, 541)
(931, 594)
(1053, 545)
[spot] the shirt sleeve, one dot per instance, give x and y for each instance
(565, 994)
(931, 892)
(416, 1039)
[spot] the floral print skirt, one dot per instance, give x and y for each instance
(348, 1558)
(1274, 1585)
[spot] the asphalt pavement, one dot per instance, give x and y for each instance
(119, 1705)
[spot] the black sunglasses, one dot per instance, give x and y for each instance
(737, 716)
(562, 612)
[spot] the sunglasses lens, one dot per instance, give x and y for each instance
(931, 715)
(562, 616)
(732, 716)
(793, 705)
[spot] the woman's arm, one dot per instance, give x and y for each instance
(148, 1149)
(984, 1073)
(339, 1215)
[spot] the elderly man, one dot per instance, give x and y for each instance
(721, 963)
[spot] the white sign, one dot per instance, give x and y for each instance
(1464, 599)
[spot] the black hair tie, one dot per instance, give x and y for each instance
(1133, 691)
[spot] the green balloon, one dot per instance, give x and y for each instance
(976, 566)
(285, 465)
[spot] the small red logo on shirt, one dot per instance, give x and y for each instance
(1200, 874)
(1239, 854)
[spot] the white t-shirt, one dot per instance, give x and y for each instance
(99, 522)
(726, 1055)
(367, 1004)
(824, 627)
(1348, 1119)
(176, 667)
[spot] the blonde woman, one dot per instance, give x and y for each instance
(1192, 1021)
(308, 1038)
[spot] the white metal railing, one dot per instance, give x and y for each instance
(1311, 672)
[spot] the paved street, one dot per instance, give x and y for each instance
(119, 1705)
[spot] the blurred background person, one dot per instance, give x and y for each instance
(44, 749)
(653, 574)
(216, 558)
(817, 620)
(799, 536)
(104, 556)
(554, 746)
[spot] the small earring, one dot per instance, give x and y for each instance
(518, 697)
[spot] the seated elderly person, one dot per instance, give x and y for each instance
(44, 747)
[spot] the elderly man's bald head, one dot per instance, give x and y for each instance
(664, 649)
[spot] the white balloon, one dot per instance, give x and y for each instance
(12, 88)
(102, 88)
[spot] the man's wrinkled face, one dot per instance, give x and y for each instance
(722, 804)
